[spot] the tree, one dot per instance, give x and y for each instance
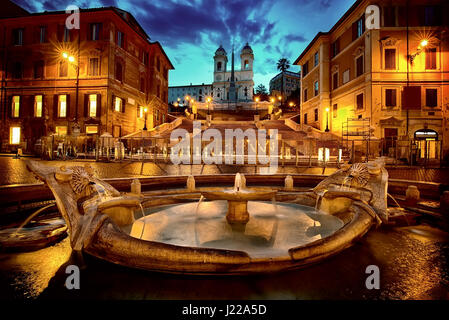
(261, 89)
(262, 92)
(283, 65)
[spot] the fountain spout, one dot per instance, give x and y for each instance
(237, 182)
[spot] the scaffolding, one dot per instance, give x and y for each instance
(355, 134)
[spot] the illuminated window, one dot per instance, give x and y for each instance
(91, 129)
(346, 76)
(118, 104)
(61, 130)
(14, 135)
(38, 106)
(62, 110)
(92, 105)
(315, 88)
(15, 106)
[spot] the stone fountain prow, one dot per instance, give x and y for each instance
(361, 181)
(84, 201)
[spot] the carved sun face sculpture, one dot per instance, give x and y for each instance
(81, 179)
(358, 175)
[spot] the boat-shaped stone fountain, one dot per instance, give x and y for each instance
(238, 230)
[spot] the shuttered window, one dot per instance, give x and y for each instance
(431, 58)
(431, 97)
(390, 97)
(390, 59)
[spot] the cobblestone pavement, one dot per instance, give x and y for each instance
(14, 171)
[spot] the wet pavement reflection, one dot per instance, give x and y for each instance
(413, 264)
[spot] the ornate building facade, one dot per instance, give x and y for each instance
(231, 85)
(391, 82)
(89, 81)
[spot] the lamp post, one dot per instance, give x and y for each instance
(327, 120)
(75, 63)
(145, 110)
(257, 99)
(208, 100)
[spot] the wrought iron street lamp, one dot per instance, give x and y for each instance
(327, 120)
(145, 110)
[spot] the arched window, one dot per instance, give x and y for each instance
(219, 66)
(246, 65)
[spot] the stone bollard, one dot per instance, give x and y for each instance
(191, 183)
(136, 186)
(444, 203)
(288, 183)
(412, 195)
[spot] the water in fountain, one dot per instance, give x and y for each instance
(394, 200)
(196, 219)
(143, 216)
(30, 217)
(272, 229)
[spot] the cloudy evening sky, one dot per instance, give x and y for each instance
(191, 30)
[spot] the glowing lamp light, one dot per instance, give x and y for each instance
(272, 100)
(327, 109)
(257, 99)
(71, 59)
(145, 110)
(424, 43)
(65, 55)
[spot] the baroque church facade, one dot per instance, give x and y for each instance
(231, 85)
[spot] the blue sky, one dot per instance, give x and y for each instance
(191, 30)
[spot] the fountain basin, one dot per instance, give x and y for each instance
(95, 233)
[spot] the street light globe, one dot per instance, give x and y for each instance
(272, 100)
(145, 110)
(424, 43)
(65, 55)
(280, 97)
(257, 99)
(291, 104)
(71, 59)
(327, 109)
